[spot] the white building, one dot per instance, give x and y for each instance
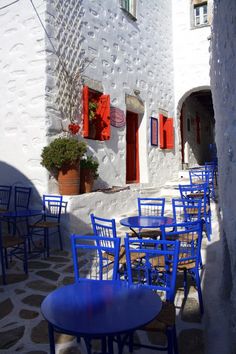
(150, 57)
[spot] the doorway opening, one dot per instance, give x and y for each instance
(197, 128)
(132, 147)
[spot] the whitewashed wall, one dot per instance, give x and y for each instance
(191, 55)
(22, 95)
(126, 55)
(223, 81)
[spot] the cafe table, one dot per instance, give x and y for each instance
(99, 309)
(145, 222)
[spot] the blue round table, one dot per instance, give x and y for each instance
(146, 222)
(98, 309)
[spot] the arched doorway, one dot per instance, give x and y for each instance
(197, 128)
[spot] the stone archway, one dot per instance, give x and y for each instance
(196, 127)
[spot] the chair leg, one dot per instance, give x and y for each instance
(175, 342)
(6, 257)
(3, 267)
(46, 241)
(185, 284)
(25, 257)
(199, 290)
(169, 341)
(60, 238)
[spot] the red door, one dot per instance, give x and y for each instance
(132, 158)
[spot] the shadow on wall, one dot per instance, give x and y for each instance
(9, 175)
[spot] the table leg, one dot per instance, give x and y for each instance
(110, 345)
(51, 339)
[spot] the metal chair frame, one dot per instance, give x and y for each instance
(51, 215)
(190, 236)
(156, 269)
(5, 197)
(201, 192)
(90, 258)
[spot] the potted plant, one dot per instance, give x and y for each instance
(62, 158)
(88, 173)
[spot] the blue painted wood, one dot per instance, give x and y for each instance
(100, 308)
(147, 222)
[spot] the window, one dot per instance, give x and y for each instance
(166, 132)
(200, 14)
(96, 115)
(129, 6)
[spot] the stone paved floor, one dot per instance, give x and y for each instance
(23, 330)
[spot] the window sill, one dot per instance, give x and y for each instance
(200, 26)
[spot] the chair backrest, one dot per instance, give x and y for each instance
(5, 197)
(155, 264)
(103, 227)
(22, 197)
(199, 176)
(93, 259)
(200, 191)
(186, 209)
(52, 206)
(189, 234)
(151, 206)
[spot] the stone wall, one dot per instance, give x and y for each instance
(22, 92)
(120, 55)
(223, 83)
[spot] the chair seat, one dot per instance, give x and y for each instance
(45, 224)
(165, 319)
(11, 241)
(122, 256)
(183, 237)
(185, 265)
(148, 233)
(3, 210)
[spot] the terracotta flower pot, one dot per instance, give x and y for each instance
(69, 180)
(86, 180)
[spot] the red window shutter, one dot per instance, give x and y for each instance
(86, 111)
(169, 133)
(166, 132)
(161, 129)
(103, 112)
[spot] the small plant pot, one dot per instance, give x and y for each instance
(86, 180)
(69, 181)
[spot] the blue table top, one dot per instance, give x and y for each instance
(98, 308)
(21, 213)
(146, 222)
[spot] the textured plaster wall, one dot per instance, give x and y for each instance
(191, 51)
(223, 81)
(22, 95)
(125, 55)
(191, 54)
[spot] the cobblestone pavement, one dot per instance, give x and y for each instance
(23, 329)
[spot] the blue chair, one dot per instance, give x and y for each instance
(90, 257)
(150, 207)
(104, 227)
(49, 223)
(212, 166)
(157, 270)
(12, 244)
(186, 209)
(189, 234)
(200, 176)
(22, 197)
(5, 197)
(201, 192)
